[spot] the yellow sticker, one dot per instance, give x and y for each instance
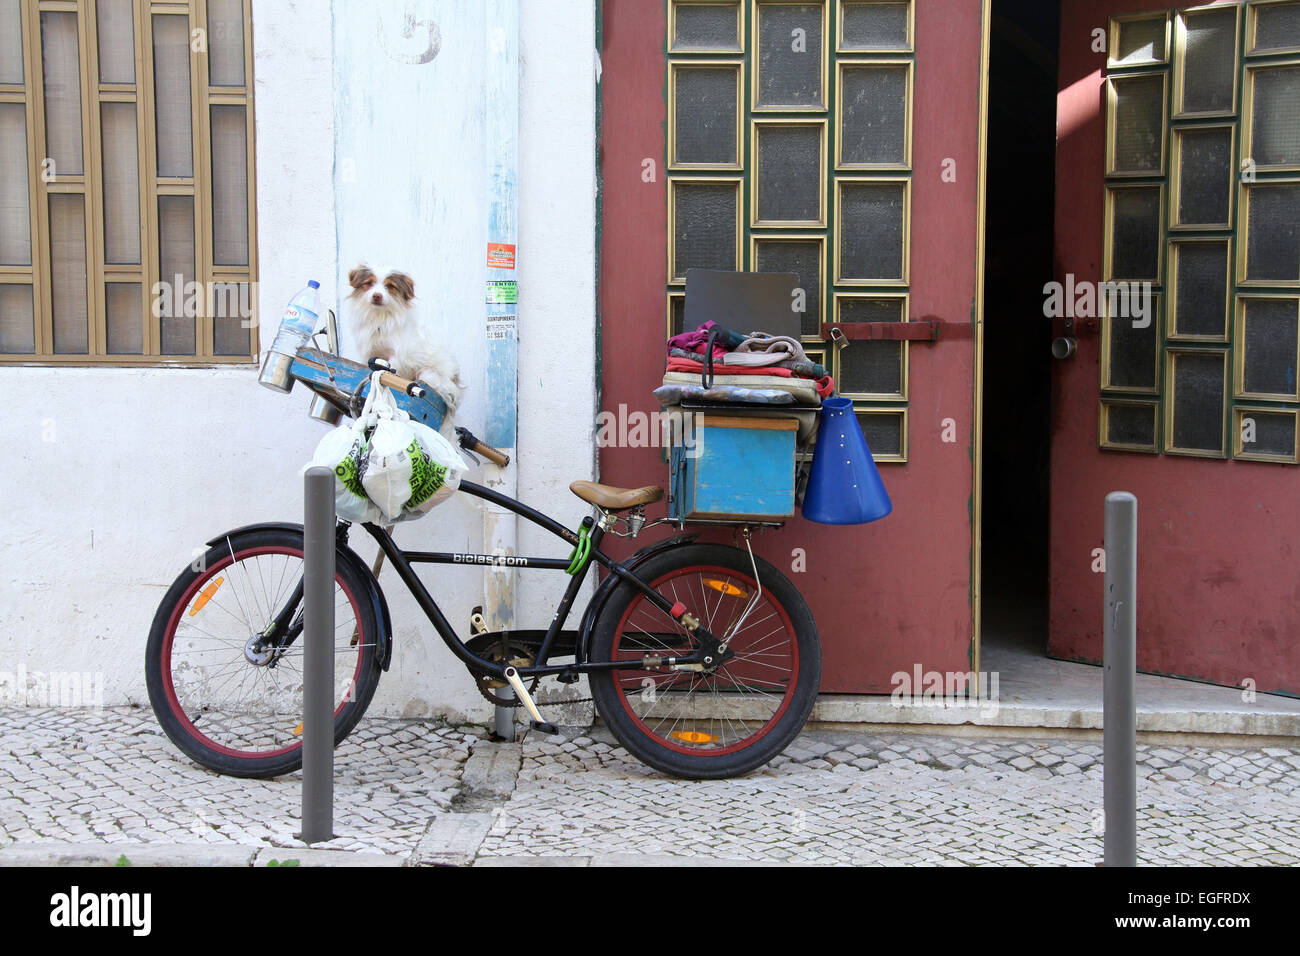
(693, 736)
(730, 590)
(205, 596)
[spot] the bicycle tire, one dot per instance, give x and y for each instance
(261, 736)
(723, 724)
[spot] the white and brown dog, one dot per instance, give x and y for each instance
(386, 324)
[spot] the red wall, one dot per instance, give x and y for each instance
(887, 595)
(1218, 590)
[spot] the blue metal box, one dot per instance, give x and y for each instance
(345, 384)
(727, 467)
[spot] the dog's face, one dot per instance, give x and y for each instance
(387, 291)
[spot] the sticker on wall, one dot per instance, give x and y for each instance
(503, 292)
(500, 328)
(501, 255)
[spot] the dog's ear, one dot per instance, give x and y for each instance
(360, 277)
(400, 285)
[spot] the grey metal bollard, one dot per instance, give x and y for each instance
(318, 658)
(1119, 649)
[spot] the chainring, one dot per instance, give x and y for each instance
(488, 647)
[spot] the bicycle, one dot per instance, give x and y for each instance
(703, 659)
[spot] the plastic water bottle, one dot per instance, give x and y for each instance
(296, 328)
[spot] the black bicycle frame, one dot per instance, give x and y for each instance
(403, 562)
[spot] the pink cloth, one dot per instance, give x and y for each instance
(695, 341)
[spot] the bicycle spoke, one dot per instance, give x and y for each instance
(232, 702)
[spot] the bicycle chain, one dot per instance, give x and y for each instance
(478, 682)
(519, 703)
(486, 693)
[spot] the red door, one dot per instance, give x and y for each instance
(840, 141)
(1195, 192)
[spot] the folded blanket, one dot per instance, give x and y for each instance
(824, 387)
(687, 365)
(806, 369)
(676, 394)
(762, 349)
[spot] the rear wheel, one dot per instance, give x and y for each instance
(231, 705)
(704, 725)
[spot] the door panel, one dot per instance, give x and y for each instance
(1162, 412)
(889, 232)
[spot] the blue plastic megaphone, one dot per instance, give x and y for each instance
(844, 486)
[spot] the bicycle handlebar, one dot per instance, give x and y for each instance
(389, 379)
(469, 441)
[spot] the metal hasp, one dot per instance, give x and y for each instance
(1119, 650)
(917, 330)
(318, 657)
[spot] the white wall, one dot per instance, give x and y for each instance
(114, 476)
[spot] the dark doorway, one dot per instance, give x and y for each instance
(1017, 337)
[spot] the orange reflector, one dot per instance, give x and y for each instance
(693, 737)
(297, 731)
(205, 596)
(730, 590)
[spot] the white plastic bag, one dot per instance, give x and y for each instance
(410, 468)
(345, 451)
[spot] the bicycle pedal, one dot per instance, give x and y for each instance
(521, 692)
(544, 727)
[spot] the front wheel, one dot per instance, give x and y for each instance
(229, 702)
(702, 725)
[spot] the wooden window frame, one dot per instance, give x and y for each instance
(821, 239)
(1171, 401)
(1108, 223)
(1112, 99)
(824, 65)
(904, 280)
(737, 163)
(1252, 70)
(904, 363)
(1243, 237)
(774, 123)
(751, 232)
(1176, 134)
(1239, 356)
(1103, 422)
(1178, 62)
(1171, 292)
(904, 430)
(673, 183)
(710, 51)
(94, 94)
(1252, 14)
(1238, 446)
(909, 47)
(841, 65)
(1157, 319)
(1112, 42)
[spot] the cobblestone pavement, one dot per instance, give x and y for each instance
(113, 776)
(857, 798)
(833, 797)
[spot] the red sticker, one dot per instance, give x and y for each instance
(501, 255)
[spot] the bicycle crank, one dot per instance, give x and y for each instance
(517, 683)
(515, 655)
